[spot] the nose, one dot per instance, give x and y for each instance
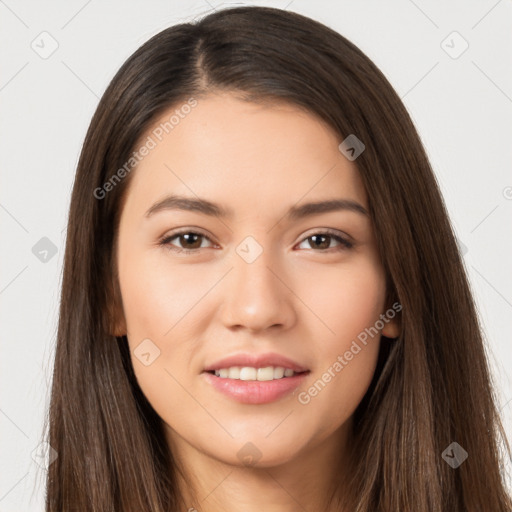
(258, 295)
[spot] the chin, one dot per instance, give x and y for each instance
(259, 452)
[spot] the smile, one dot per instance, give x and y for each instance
(250, 373)
(247, 388)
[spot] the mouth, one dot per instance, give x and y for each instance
(243, 365)
(250, 373)
(253, 391)
(255, 379)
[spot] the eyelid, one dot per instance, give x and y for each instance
(345, 240)
(183, 231)
(327, 231)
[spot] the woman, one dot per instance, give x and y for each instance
(318, 348)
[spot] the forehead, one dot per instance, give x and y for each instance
(242, 154)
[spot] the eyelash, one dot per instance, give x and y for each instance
(165, 241)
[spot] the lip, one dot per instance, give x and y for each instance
(253, 391)
(256, 361)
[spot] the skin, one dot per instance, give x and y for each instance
(306, 303)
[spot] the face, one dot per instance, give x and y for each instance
(258, 280)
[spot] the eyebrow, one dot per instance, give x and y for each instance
(176, 202)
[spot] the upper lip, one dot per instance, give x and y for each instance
(255, 361)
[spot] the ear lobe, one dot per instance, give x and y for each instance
(115, 313)
(391, 329)
(393, 323)
(119, 326)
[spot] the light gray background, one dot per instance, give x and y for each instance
(462, 108)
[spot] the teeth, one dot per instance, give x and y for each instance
(265, 373)
(278, 372)
(249, 373)
(234, 372)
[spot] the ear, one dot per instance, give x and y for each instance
(115, 313)
(393, 323)
(391, 328)
(118, 327)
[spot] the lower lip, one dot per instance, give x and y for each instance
(255, 391)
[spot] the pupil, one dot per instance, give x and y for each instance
(316, 237)
(192, 235)
(189, 237)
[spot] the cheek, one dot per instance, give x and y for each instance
(158, 306)
(347, 301)
(347, 352)
(156, 297)
(152, 307)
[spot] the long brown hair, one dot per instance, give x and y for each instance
(432, 386)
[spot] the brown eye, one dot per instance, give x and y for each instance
(188, 240)
(323, 241)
